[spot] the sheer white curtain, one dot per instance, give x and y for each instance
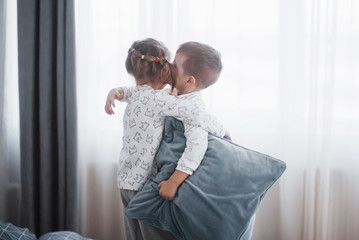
(9, 115)
(2, 98)
(289, 88)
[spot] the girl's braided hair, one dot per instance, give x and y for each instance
(148, 60)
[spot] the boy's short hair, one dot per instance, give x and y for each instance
(203, 62)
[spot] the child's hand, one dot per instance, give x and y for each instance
(227, 136)
(116, 93)
(168, 189)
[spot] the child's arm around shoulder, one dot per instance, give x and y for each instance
(121, 94)
(212, 125)
(188, 111)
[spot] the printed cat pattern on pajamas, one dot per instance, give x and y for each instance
(143, 123)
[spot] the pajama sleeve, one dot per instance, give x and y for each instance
(190, 112)
(196, 147)
(197, 141)
(127, 93)
(212, 125)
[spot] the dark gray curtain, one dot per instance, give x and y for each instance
(47, 115)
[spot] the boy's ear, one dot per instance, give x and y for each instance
(191, 81)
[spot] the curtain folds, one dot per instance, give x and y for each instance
(2, 57)
(3, 177)
(47, 115)
(9, 115)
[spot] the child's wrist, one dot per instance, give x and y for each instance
(178, 178)
(175, 182)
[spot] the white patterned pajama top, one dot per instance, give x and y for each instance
(143, 124)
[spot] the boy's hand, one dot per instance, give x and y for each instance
(116, 93)
(168, 189)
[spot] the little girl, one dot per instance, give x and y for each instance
(143, 123)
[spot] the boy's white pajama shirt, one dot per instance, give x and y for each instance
(143, 124)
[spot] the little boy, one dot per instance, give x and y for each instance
(198, 66)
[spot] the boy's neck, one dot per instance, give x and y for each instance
(189, 90)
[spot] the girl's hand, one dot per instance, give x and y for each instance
(227, 136)
(114, 94)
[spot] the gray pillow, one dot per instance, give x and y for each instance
(9, 231)
(218, 200)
